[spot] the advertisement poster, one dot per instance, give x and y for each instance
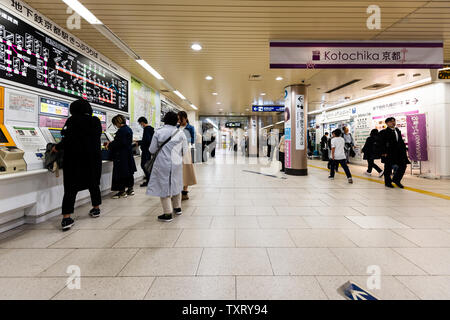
(299, 122)
(287, 128)
(145, 102)
(21, 107)
(417, 137)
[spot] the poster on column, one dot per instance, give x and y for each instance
(299, 122)
(417, 137)
(144, 102)
(287, 128)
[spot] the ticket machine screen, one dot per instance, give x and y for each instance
(3, 137)
(56, 135)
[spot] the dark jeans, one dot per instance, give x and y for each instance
(398, 174)
(372, 165)
(281, 158)
(146, 174)
(71, 195)
(343, 163)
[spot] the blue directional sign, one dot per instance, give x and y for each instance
(352, 291)
(268, 108)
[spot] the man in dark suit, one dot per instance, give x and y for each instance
(323, 146)
(393, 153)
(145, 146)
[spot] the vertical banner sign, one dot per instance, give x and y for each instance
(417, 137)
(287, 128)
(299, 122)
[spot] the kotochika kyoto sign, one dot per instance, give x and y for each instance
(362, 54)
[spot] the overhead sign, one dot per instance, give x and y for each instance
(233, 124)
(363, 54)
(352, 291)
(30, 57)
(444, 73)
(268, 108)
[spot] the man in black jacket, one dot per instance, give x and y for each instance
(147, 137)
(323, 147)
(393, 152)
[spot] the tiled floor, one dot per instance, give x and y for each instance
(243, 235)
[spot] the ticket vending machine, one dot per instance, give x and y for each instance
(11, 160)
(52, 135)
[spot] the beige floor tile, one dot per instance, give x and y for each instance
(420, 211)
(377, 238)
(164, 262)
(214, 211)
(435, 261)
(344, 203)
(357, 260)
(253, 238)
(305, 261)
(427, 238)
(282, 222)
(105, 288)
(234, 261)
(194, 238)
(296, 211)
(279, 288)
(236, 222)
(132, 211)
(255, 211)
(337, 211)
(330, 223)
(136, 223)
(31, 239)
(30, 288)
(390, 287)
(305, 203)
(192, 288)
(424, 222)
(149, 239)
(320, 238)
(91, 239)
(188, 222)
(377, 222)
(378, 211)
(428, 287)
(28, 262)
(92, 262)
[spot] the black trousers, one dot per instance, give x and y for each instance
(371, 165)
(343, 163)
(71, 195)
(281, 158)
(398, 174)
(147, 174)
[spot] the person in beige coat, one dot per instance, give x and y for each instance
(189, 178)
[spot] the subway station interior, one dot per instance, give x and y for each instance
(318, 147)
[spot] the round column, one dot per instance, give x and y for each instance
(295, 117)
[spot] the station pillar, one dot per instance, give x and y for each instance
(295, 120)
(253, 137)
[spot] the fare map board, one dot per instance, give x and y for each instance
(30, 57)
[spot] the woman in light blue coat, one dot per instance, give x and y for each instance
(166, 178)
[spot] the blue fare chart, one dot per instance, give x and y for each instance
(29, 57)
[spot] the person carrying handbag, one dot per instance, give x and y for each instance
(168, 146)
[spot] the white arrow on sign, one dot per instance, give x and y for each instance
(358, 295)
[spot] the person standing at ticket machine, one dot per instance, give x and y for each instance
(124, 166)
(82, 159)
(147, 137)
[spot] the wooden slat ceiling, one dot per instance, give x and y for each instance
(235, 37)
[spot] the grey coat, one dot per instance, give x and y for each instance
(166, 179)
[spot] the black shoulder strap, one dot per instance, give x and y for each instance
(165, 142)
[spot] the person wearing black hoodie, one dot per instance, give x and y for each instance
(372, 151)
(82, 159)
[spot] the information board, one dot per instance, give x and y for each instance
(267, 108)
(54, 107)
(29, 57)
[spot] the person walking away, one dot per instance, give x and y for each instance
(349, 143)
(145, 146)
(323, 147)
(393, 153)
(82, 159)
(124, 165)
(372, 151)
(166, 178)
(338, 155)
(281, 148)
(330, 161)
(189, 177)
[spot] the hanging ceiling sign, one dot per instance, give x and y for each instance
(370, 54)
(268, 108)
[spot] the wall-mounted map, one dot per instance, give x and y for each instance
(30, 57)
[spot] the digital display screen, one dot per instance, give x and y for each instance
(56, 135)
(54, 107)
(3, 137)
(99, 114)
(29, 57)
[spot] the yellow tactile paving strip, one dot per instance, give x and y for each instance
(429, 193)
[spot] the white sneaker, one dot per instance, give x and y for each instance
(380, 174)
(367, 174)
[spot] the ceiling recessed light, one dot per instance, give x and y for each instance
(214, 93)
(194, 107)
(196, 47)
(279, 78)
(416, 74)
(220, 109)
(208, 78)
(178, 93)
(401, 75)
(82, 11)
(218, 103)
(147, 67)
(263, 94)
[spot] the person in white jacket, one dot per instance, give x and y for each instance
(166, 178)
